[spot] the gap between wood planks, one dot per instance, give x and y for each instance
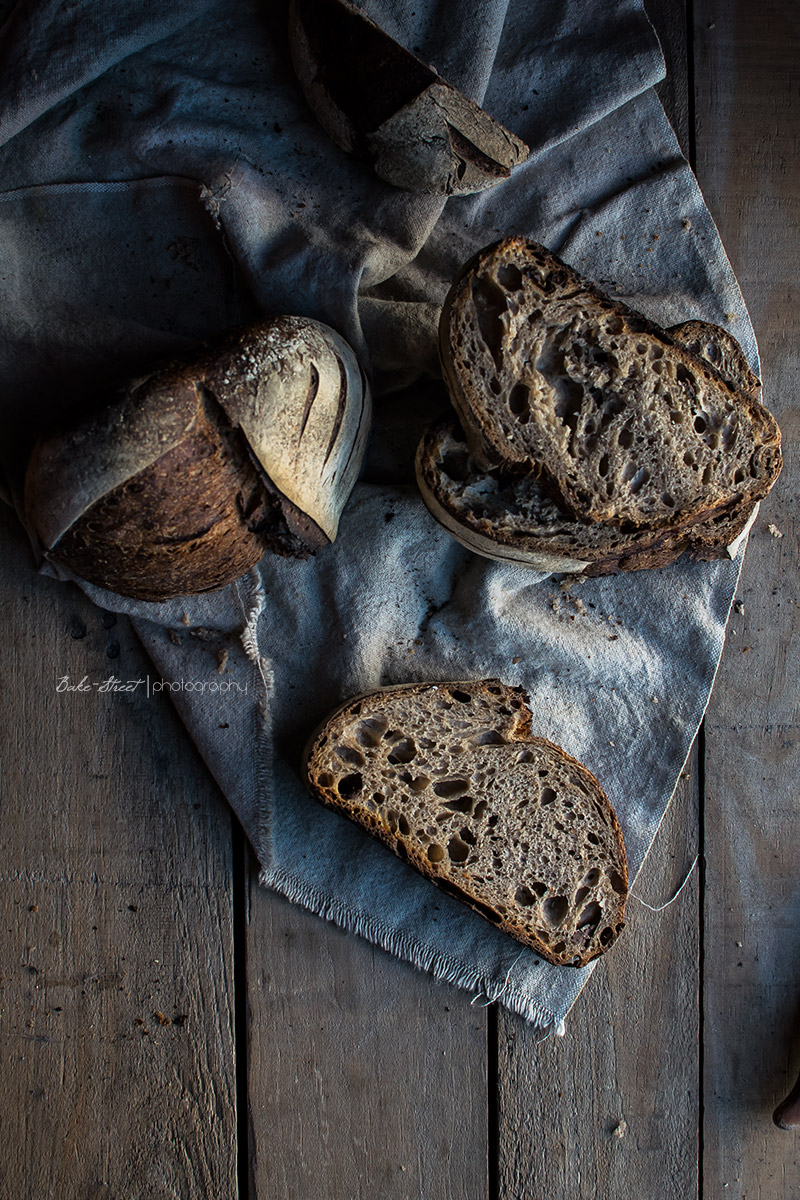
(240, 857)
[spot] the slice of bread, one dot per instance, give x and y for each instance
(450, 777)
(620, 421)
(719, 348)
(509, 517)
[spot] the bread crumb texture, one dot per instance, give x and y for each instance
(451, 778)
(622, 421)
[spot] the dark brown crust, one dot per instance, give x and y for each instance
(380, 102)
(367, 74)
(314, 772)
(182, 480)
(488, 442)
(198, 518)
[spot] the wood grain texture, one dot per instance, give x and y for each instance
(116, 1032)
(366, 1078)
(613, 1106)
(748, 163)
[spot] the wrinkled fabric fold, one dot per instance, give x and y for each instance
(164, 180)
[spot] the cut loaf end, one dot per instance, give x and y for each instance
(450, 777)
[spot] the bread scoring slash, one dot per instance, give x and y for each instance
(450, 777)
(183, 480)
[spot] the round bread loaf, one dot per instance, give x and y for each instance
(186, 478)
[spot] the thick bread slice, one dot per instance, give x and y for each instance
(449, 776)
(510, 517)
(622, 422)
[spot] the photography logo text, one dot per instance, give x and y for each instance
(148, 686)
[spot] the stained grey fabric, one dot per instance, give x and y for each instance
(164, 180)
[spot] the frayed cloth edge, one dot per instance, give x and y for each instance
(253, 608)
(443, 967)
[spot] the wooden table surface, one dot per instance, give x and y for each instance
(170, 1029)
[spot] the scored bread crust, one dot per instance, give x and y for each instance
(199, 516)
(621, 421)
(450, 777)
(184, 479)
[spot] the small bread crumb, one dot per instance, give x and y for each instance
(773, 529)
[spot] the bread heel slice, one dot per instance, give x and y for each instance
(449, 777)
(380, 102)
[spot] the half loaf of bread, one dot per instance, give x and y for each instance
(620, 421)
(451, 778)
(377, 100)
(181, 481)
(510, 517)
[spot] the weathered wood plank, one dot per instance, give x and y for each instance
(613, 1106)
(116, 1031)
(611, 1111)
(669, 18)
(366, 1078)
(748, 163)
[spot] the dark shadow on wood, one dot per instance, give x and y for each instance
(240, 857)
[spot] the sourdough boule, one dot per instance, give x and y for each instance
(183, 480)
